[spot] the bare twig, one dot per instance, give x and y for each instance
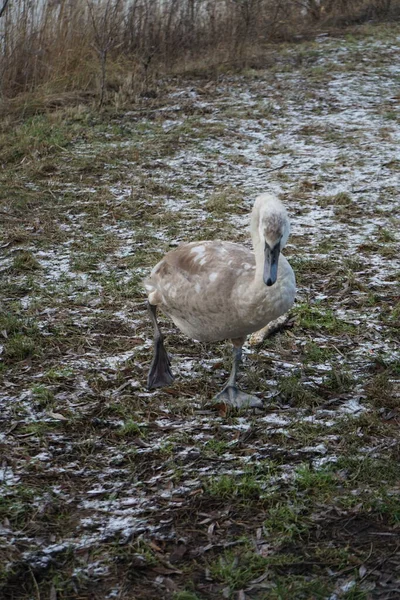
(104, 29)
(3, 8)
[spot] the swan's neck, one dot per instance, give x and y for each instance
(269, 224)
(258, 246)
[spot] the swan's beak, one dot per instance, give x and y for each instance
(271, 258)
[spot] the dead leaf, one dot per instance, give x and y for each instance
(57, 416)
(177, 553)
(221, 408)
(170, 584)
(166, 570)
(13, 426)
(155, 547)
(264, 550)
(210, 529)
(141, 443)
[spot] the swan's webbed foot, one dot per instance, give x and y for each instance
(234, 397)
(160, 373)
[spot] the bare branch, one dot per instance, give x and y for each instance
(3, 8)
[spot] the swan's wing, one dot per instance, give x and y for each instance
(208, 267)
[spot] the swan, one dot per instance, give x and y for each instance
(217, 290)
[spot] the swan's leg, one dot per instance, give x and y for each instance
(160, 373)
(231, 394)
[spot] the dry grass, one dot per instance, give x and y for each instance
(57, 52)
(109, 491)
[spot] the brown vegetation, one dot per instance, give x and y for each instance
(113, 49)
(109, 491)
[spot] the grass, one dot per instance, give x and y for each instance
(341, 199)
(160, 495)
(130, 428)
(318, 482)
(43, 396)
(315, 353)
(25, 261)
(20, 347)
(244, 487)
(37, 137)
(286, 522)
(185, 596)
(369, 470)
(237, 570)
(316, 318)
(338, 380)
(298, 587)
(228, 199)
(18, 506)
(382, 391)
(296, 393)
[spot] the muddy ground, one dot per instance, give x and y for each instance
(111, 491)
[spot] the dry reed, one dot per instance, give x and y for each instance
(100, 47)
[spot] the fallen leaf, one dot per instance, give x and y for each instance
(57, 416)
(166, 570)
(177, 553)
(362, 571)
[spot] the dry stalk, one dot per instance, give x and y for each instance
(47, 47)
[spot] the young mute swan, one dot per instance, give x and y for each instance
(216, 290)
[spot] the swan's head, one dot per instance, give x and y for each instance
(273, 231)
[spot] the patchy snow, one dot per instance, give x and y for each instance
(7, 476)
(306, 149)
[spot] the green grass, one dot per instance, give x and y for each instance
(369, 470)
(17, 506)
(387, 505)
(319, 482)
(338, 380)
(244, 487)
(286, 522)
(110, 489)
(316, 353)
(10, 323)
(236, 569)
(217, 447)
(185, 596)
(298, 587)
(385, 236)
(382, 391)
(41, 135)
(341, 199)
(25, 261)
(316, 318)
(20, 347)
(43, 396)
(224, 202)
(293, 390)
(131, 428)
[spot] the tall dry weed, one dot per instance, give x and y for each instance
(64, 46)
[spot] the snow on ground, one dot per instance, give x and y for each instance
(330, 150)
